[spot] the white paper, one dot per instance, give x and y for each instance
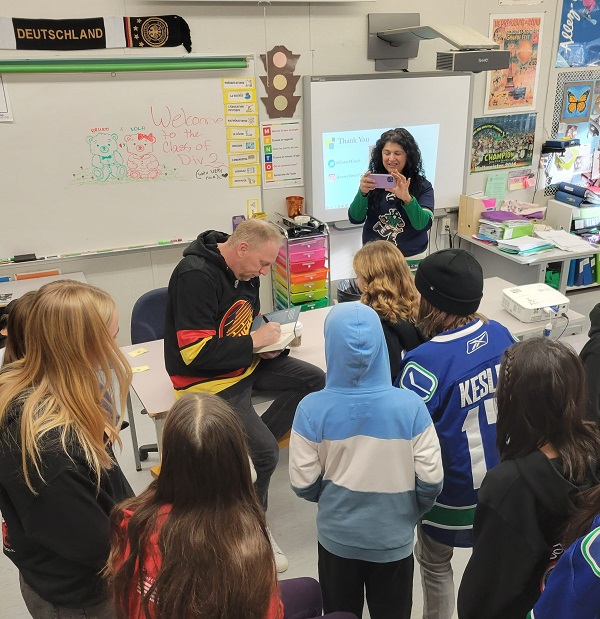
(563, 240)
(5, 109)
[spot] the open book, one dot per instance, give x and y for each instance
(287, 318)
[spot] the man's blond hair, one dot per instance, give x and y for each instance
(256, 233)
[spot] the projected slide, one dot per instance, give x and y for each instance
(346, 157)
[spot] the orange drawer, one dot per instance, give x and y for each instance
(302, 287)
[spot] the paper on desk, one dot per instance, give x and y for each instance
(563, 240)
(140, 368)
(137, 352)
(5, 297)
(523, 243)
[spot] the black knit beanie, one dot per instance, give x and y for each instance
(451, 280)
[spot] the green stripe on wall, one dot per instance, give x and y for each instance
(112, 65)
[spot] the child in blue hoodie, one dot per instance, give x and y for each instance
(369, 456)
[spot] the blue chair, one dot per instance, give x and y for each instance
(148, 316)
(148, 323)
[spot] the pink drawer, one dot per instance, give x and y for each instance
(306, 245)
(303, 255)
(300, 267)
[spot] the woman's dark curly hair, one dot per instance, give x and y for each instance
(414, 163)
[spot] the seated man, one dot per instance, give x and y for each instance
(213, 298)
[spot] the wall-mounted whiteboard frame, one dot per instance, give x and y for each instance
(335, 105)
(52, 204)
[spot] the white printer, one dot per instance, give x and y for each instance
(534, 302)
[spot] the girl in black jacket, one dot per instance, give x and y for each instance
(548, 454)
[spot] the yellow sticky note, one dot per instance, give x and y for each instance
(137, 352)
(140, 368)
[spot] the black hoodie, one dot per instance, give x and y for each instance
(522, 507)
(590, 355)
(59, 539)
(208, 346)
(400, 337)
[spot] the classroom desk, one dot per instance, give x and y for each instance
(18, 288)
(155, 391)
(523, 269)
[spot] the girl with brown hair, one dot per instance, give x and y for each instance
(195, 542)
(548, 455)
(387, 286)
(16, 314)
(59, 479)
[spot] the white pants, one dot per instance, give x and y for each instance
(437, 576)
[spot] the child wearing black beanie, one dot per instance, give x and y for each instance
(455, 373)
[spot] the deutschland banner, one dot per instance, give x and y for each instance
(94, 33)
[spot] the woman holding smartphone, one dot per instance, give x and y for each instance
(395, 200)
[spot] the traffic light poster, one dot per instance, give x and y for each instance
(515, 88)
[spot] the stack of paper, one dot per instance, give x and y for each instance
(563, 240)
(524, 245)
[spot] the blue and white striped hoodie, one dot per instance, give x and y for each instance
(366, 452)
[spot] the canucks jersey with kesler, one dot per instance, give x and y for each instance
(456, 374)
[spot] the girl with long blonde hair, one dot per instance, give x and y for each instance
(387, 286)
(59, 480)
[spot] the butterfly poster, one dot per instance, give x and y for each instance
(577, 102)
(514, 89)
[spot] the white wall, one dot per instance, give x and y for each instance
(331, 39)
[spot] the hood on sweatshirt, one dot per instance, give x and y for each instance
(595, 321)
(205, 246)
(355, 348)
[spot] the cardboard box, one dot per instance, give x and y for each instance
(469, 214)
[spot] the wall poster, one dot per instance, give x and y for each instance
(501, 142)
(515, 88)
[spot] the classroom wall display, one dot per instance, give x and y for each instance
(577, 102)
(345, 115)
(515, 88)
(579, 35)
(280, 82)
(96, 161)
(577, 94)
(501, 142)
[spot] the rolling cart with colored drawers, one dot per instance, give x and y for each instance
(300, 275)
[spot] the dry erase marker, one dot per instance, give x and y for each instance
(48, 257)
(171, 241)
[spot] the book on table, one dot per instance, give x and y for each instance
(287, 319)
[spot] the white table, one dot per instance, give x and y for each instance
(18, 288)
(523, 269)
(155, 390)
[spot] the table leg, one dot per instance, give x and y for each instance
(134, 441)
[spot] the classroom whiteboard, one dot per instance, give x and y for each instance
(345, 115)
(74, 175)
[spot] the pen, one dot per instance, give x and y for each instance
(265, 318)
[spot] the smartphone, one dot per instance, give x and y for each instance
(383, 181)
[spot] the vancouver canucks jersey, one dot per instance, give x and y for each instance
(573, 586)
(456, 374)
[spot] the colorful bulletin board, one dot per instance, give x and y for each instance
(576, 115)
